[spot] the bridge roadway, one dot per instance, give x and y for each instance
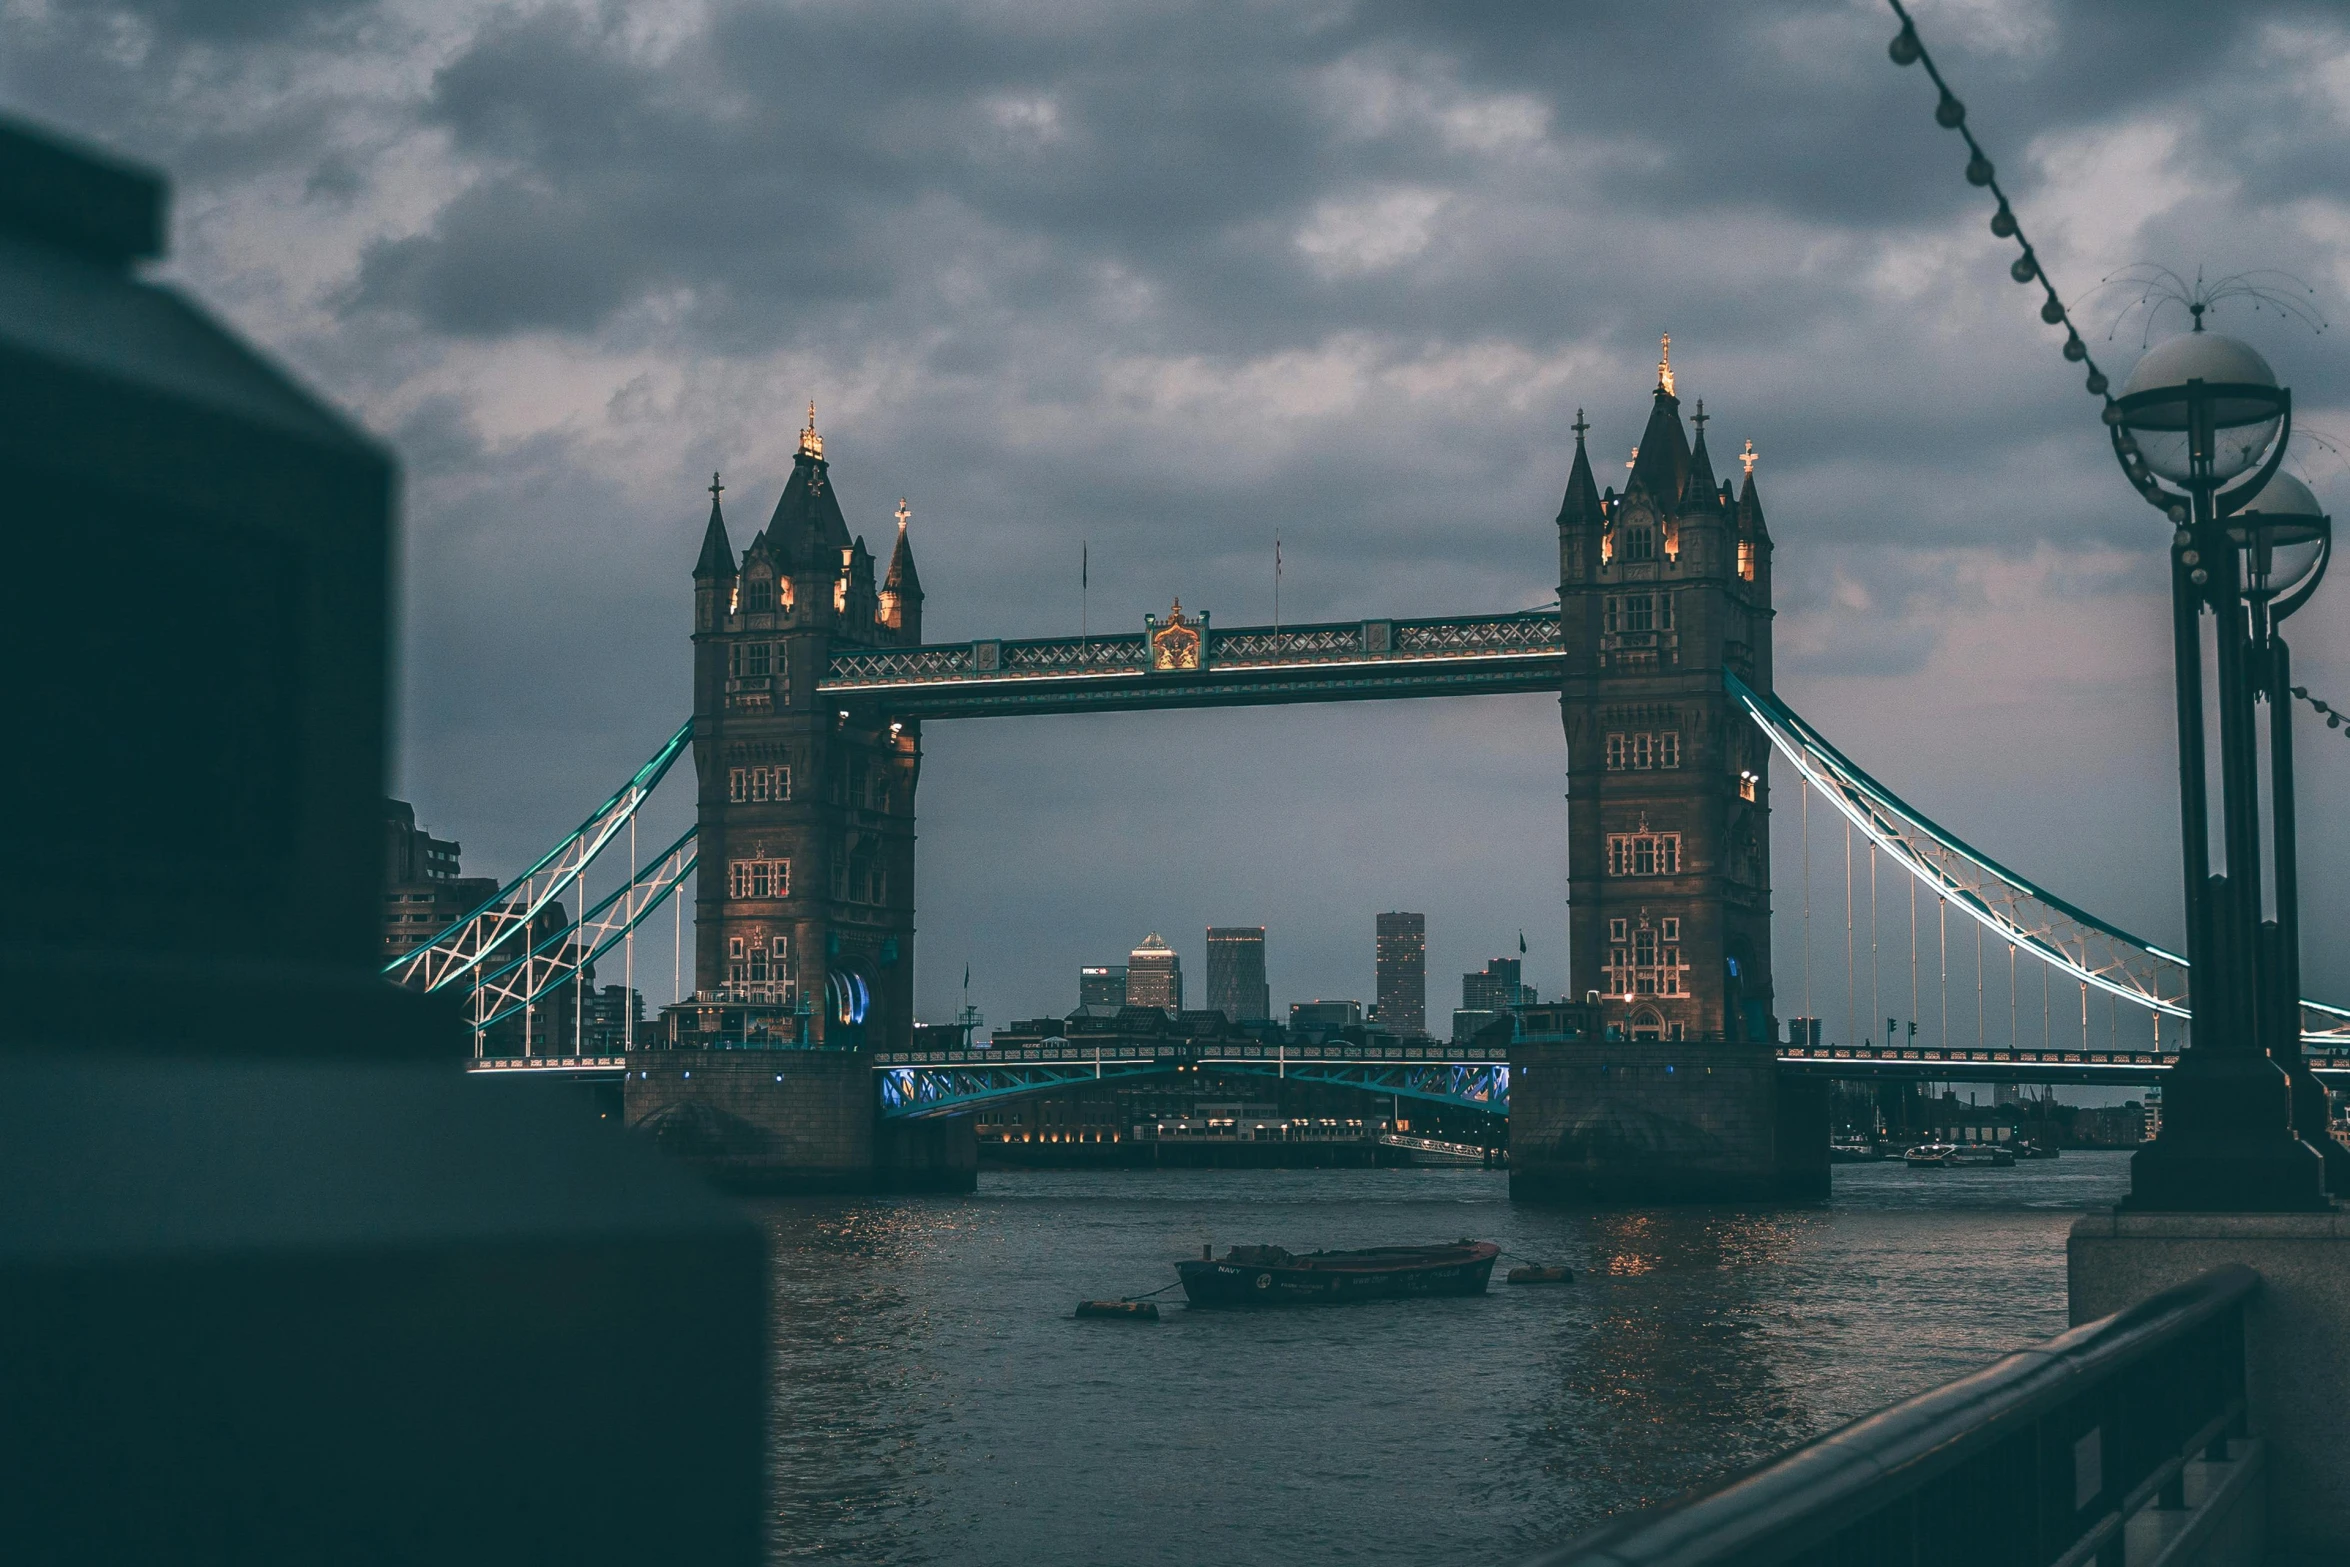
(923, 1084)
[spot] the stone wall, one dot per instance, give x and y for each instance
(1624, 1122)
(790, 1121)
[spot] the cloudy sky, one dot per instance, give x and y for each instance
(1173, 279)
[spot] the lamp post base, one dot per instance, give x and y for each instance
(2227, 1144)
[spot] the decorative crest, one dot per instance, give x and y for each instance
(1664, 366)
(811, 444)
(904, 511)
(1176, 642)
(1579, 426)
(715, 488)
(1634, 460)
(1747, 457)
(1698, 419)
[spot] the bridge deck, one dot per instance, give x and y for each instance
(1335, 662)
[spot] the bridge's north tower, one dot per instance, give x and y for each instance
(804, 918)
(1661, 589)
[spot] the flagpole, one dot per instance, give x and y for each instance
(1084, 586)
(1276, 595)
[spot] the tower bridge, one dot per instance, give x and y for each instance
(811, 686)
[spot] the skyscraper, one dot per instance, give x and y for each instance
(1236, 972)
(1154, 975)
(1402, 951)
(1102, 985)
(1497, 989)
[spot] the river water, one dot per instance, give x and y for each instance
(935, 1401)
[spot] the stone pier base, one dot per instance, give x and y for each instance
(1617, 1122)
(2297, 1341)
(790, 1121)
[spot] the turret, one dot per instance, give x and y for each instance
(714, 570)
(901, 590)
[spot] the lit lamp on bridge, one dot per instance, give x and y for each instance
(2200, 429)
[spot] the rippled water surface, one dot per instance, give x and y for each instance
(935, 1401)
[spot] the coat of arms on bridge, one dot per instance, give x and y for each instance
(1179, 641)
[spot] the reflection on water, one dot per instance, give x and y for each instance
(935, 1401)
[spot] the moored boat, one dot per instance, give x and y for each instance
(1930, 1156)
(1980, 1155)
(1272, 1276)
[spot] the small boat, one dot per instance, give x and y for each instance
(1542, 1273)
(1271, 1276)
(2025, 1148)
(1930, 1156)
(1854, 1152)
(1130, 1310)
(1983, 1155)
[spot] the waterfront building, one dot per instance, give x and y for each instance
(1154, 975)
(1236, 973)
(425, 890)
(1324, 1017)
(1467, 1020)
(1401, 951)
(1497, 989)
(1102, 985)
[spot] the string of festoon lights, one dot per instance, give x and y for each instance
(1908, 49)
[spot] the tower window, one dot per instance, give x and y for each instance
(1672, 928)
(1746, 559)
(1611, 614)
(1640, 612)
(1644, 854)
(758, 879)
(1639, 544)
(1668, 748)
(759, 596)
(1664, 612)
(1615, 753)
(1615, 930)
(1642, 752)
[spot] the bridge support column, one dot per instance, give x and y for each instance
(1623, 1122)
(790, 1121)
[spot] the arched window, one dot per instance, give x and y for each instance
(1648, 1026)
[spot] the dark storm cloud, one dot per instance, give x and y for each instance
(1169, 280)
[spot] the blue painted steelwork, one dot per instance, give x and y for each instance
(551, 964)
(2069, 939)
(465, 944)
(917, 1093)
(1245, 666)
(1483, 1085)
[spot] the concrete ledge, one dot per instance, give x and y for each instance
(2297, 1352)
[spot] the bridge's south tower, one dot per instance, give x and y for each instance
(804, 919)
(1661, 589)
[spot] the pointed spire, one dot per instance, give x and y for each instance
(1581, 507)
(717, 550)
(903, 580)
(1697, 491)
(811, 444)
(1660, 465)
(1664, 367)
(1750, 511)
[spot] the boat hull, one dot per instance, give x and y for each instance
(1335, 1279)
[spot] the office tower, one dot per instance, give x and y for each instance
(1236, 972)
(1154, 975)
(1497, 989)
(1102, 985)
(1324, 1015)
(1402, 953)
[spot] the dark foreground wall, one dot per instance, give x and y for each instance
(790, 1121)
(1621, 1122)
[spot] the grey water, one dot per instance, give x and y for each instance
(935, 1401)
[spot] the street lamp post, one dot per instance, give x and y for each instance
(2198, 412)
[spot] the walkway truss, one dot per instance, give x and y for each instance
(2094, 953)
(962, 1080)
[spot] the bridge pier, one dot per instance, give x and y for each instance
(791, 1121)
(1615, 1121)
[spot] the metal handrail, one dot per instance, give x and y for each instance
(1997, 1451)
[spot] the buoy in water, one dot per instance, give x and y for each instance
(1542, 1275)
(1139, 1310)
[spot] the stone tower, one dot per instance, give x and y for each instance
(804, 918)
(1661, 589)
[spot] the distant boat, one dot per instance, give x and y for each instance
(1271, 1276)
(1930, 1156)
(1854, 1151)
(1980, 1155)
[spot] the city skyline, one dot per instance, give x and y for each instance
(1418, 193)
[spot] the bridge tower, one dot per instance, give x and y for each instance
(804, 917)
(1661, 589)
